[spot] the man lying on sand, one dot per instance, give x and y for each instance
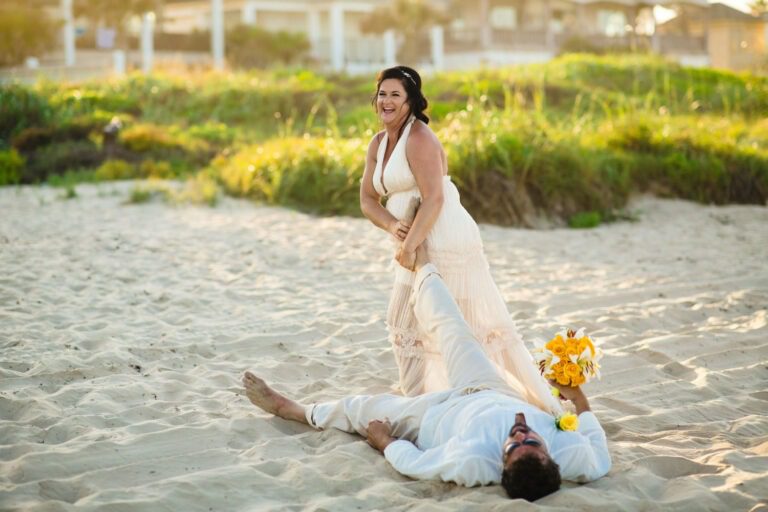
(463, 434)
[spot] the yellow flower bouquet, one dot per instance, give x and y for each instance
(570, 358)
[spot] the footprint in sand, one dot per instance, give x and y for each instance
(68, 492)
(673, 467)
(668, 365)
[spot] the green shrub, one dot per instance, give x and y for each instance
(585, 220)
(70, 192)
(165, 143)
(140, 195)
(31, 139)
(199, 189)
(212, 132)
(21, 107)
(11, 164)
(143, 138)
(80, 99)
(318, 175)
(71, 178)
(116, 170)
(155, 169)
(695, 158)
(59, 158)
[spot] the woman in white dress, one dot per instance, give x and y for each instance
(406, 161)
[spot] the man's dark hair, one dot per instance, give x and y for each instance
(531, 478)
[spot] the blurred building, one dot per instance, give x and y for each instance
(475, 33)
(499, 32)
(734, 39)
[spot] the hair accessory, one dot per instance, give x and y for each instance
(409, 77)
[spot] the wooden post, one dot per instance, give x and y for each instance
(217, 33)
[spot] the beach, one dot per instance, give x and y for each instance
(125, 330)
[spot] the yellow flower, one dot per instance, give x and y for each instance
(578, 380)
(572, 370)
(563, 379)
(584, 343)
(567, 421)
(572, 347)
(552, 342)
(557, 346)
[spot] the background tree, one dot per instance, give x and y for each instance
(25, 31)
(411, 21)
(759, 6)
(254, 47)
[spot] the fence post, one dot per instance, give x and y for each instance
(69, 32)
(147, 42)
(390, 49)
(438, 55)
(217, 34)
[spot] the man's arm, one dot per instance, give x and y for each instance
(452, 462)
(582, 455)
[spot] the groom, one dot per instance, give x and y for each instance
(479, 432)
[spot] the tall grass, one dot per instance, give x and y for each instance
(572, 138)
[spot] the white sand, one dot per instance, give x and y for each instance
(124, 331)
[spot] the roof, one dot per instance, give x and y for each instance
(726, 12)
(715, 12)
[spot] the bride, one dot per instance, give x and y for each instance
(405, 162)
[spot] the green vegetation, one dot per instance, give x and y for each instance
(572, 139)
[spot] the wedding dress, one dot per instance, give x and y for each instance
(456, 249)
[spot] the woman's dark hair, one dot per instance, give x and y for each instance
(411, 83)
(531, 478)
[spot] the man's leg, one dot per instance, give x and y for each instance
(350, 414)
(269, 400)
(440, 316)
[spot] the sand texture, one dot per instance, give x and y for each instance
(125, 329)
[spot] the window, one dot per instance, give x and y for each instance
(611, 23)
(504, 18)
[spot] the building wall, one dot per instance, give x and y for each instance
(737, 45)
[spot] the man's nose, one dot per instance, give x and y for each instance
(520, 436)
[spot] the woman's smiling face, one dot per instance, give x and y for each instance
(392, 102)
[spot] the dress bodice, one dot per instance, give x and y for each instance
(396, 176)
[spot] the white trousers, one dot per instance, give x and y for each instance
(469, 369)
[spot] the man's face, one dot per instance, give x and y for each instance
(522, 442)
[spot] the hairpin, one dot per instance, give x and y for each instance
(408, 75)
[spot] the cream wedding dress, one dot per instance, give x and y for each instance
(456, 249)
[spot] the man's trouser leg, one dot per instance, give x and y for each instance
(441, 318)
(352, 414)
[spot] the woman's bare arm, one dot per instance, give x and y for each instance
(425, 157)
(370, 202)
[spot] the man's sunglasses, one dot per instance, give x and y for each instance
(527, 442)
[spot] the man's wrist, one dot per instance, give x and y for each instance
(581, 403)
(385, 442)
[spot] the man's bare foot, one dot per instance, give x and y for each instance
(422, 257)
(269, 400)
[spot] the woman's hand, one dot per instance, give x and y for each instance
(406, 258)
(380, 434)
(399, 229)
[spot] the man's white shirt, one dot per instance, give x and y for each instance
(460, 440)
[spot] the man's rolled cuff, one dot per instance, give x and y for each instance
(424, 272)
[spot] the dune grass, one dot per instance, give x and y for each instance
(571, 139)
